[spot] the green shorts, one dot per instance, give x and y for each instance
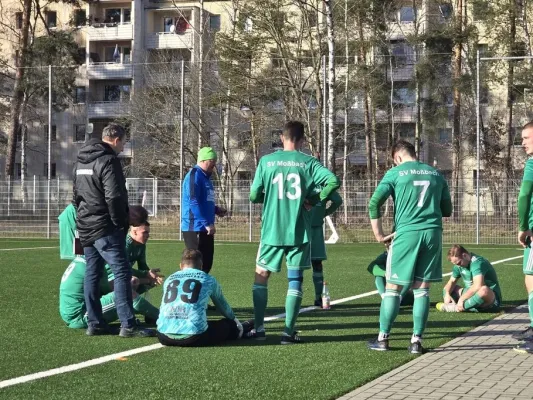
(109, 310)
(415, 256)
(318, 245)
(271, 257)
(378, 266)
(527, 262)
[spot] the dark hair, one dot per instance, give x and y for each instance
(403, 145)
(293, 131)
(114, 130)
(456, 251)
(138, 216)
(528, 125)
(192, 258)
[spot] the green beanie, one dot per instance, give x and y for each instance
(206, 153)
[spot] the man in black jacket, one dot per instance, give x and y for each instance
(101, 200)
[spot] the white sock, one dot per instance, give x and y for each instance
(382, 336)
(415, 339)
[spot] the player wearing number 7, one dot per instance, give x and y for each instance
(283, 181)
(421, 198)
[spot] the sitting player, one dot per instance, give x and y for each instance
(71, 298)
(482, 290)
(183, 319)
(378, 269)
(318, 246)
(144, 277)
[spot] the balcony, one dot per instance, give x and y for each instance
(401, 73)
(109, 71)
(107, 109)
(400, 30)
(110, 31)
(164, 40)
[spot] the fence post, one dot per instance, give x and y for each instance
(250, 216)
(49, 174)
(34, 189)
(156, 188)
(58, 194)
(8, 196)
(180, 194)
(478, 111)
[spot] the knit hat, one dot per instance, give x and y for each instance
(206, 153)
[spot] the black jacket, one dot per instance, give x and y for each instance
(100, 194)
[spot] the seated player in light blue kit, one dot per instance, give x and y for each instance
(183, 320)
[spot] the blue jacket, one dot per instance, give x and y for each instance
(198, 201)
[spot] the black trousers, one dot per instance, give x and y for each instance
(204, 243)
(216, 333)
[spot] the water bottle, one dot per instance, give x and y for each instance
(326, 300)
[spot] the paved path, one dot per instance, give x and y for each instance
(483, 361)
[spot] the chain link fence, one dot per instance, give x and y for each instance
(24, 211)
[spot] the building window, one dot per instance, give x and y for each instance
(214, 23)
(79, 133)
(18, 169)
(483, 49)
(79, 95)
(407, 14)
(407, 131)
(245, 176)
(112, 15)
(80, 17)
(517, 136)
(312, 18)
(403, 95)
(445, 135)
(484, 95)
(126, 15)
(168, 24)
(276, 140)
(18, 20)
(446, 11)
(52, 171)
(248, 25)
(402, 54)
(54, 133)
(51, 19)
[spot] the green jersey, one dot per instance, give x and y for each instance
(319, 210)
(67, 232)
(478, 266)
(525, 198)
(282, 182)
(421, 197)
(136, 253)
(71, 298)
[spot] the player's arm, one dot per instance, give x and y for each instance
(446, 206)
(221, 303)
(477, 282)
(448, 289)
(198, 199)
(324, 177)
(382, 193)
(336, 202)
(524, 204)
(112, 180)
(257, 194)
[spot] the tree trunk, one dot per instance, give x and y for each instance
(18, 95)
(346, 109)
(203, 140)
(331, 84)
(456, 131)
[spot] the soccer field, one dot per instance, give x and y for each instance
(333, 360)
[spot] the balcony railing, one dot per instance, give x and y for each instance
(109, 71)
(107, 109)
(110, 31)
(164, 40)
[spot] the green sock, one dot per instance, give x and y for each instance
(144, 307)
(473, 302)
(390, 307)
(318, 281)
(380, 284)
(420, 310)
(530, 304)
(260, 297)
(292, 308)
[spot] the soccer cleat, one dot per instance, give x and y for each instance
(247, 327)
(290, 339)
(136, 332)
(378, 345)
(524, 348)
(318, 303)
(254, 334)
(416, 348)
(446, 307)
(150, 321)
(526, 335)
(98, 330)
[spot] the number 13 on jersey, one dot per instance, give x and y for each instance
(295, 190)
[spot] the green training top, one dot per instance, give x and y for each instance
(282, 181)
(525, 198)
(421, 197)
(478, 266)
(136, 253)
(67, 232)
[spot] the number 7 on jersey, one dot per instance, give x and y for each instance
(425, 186)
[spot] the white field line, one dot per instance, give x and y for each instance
(29, 248)
(144, 349)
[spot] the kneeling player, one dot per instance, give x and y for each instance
(378, 269)
(482, 290)
(183, 319)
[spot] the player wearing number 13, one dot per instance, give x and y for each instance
(421, 198)
(282, 182)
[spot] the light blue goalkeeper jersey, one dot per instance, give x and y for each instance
(185, 297)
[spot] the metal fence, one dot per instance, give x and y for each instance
(24, 211)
